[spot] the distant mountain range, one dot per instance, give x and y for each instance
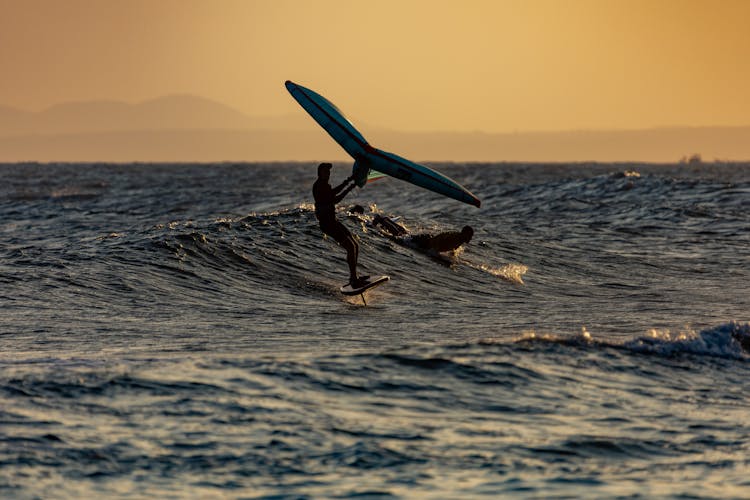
(189, 128)
(175, 112)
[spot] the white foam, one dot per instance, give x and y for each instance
(509, 272)
(724, 341)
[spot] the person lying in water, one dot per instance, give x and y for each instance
(443, 242)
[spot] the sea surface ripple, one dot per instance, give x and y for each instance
(177, 331)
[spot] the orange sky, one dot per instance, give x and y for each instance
(495, 66)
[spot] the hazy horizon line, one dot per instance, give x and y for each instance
(364, 124)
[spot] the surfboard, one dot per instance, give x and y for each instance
(369, 159)
(370, 282)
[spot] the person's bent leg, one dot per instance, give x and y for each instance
(344, 238)
(356, 252)
(351, 257)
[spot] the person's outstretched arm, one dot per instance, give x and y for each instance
(345, 192)
(341, 186)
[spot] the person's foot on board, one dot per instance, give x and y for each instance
(358, 282)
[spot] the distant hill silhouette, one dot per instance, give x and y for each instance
(164, 113)
(189, 128)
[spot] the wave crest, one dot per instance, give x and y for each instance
(729, 340)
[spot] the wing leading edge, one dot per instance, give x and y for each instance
(371, 163)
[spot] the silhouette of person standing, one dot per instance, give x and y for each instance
(326, 199)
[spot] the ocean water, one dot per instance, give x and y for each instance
(176, 331)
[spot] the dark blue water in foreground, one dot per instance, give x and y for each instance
(177, 331)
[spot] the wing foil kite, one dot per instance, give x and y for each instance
(371, 163)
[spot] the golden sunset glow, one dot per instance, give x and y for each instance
(495, 66)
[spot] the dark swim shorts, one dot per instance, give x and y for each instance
(336, 230)
(421, 241)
